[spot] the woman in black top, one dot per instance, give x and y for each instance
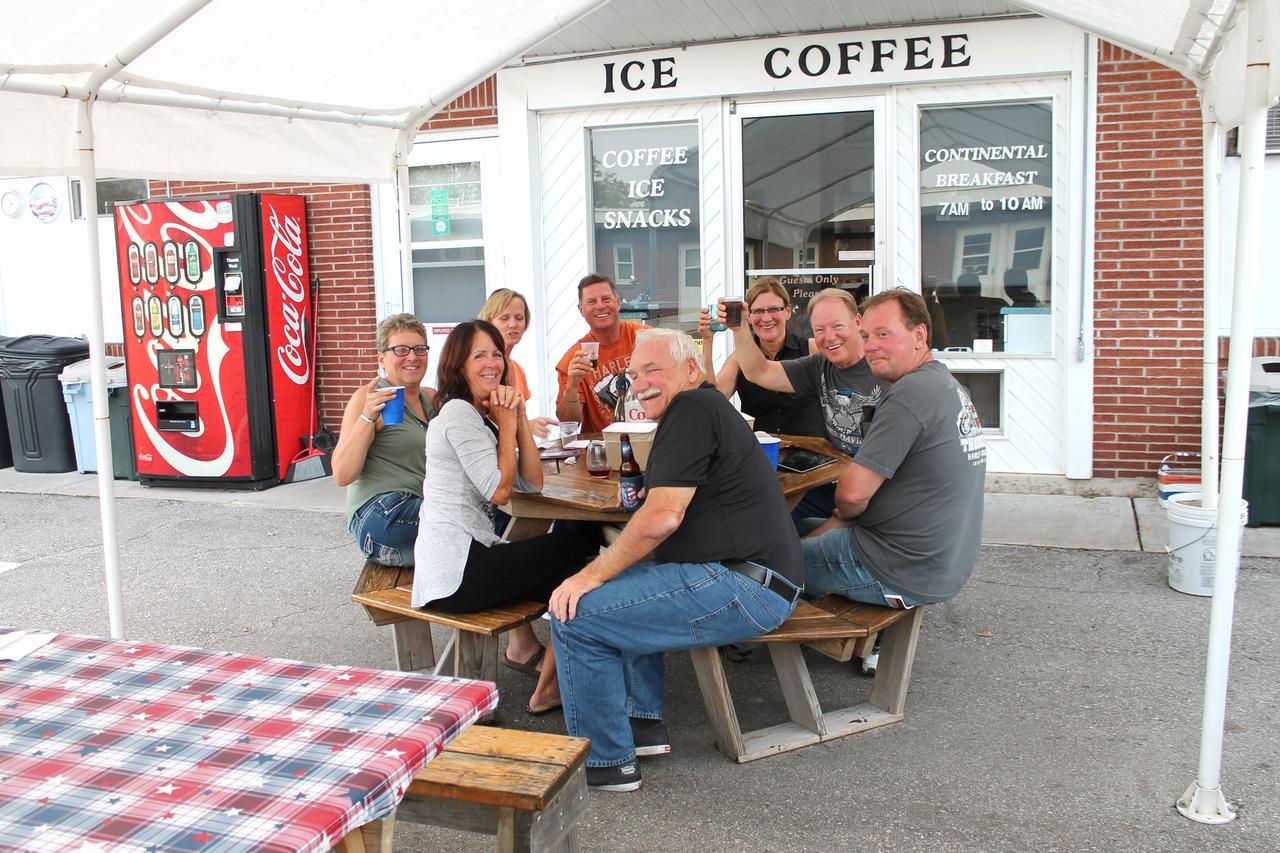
(769, 310)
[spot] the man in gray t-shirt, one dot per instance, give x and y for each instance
(908, 520)
(837, 375)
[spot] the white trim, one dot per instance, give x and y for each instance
(1078, 360)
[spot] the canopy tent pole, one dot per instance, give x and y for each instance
(404, 145)
(97, 335)
(98, 365)
(1209, 401)
(1203, 800)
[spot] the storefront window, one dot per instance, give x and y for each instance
(809, 208)
(447, 229)
(646, 222)
(986, 192)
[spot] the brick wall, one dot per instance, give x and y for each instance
(476, 108)
(1148, 268)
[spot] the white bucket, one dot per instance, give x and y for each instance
(1193, 543)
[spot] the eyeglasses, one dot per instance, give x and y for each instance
(772, 311)
(401, 350)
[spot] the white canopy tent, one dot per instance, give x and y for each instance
(334, 90)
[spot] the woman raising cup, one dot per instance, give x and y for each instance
(382, 464)
(480, 449)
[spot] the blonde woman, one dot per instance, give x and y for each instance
(508, 311)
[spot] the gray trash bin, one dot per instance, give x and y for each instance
(39, 430)
(77, 392)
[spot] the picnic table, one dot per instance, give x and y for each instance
(106, 745)
(570, 493)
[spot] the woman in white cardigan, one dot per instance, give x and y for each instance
(479, 449)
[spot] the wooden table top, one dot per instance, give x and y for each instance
(572, 493)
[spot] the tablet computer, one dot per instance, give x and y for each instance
(798, 460)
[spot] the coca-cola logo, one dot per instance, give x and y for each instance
(286, 270)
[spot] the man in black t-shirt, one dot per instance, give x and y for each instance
(727, 564)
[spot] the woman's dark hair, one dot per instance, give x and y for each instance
(457, 349)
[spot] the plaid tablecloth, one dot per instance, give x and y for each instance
(108, 745)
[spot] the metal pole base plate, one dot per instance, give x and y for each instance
(1206, 805)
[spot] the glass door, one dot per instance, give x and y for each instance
(451, 234)
(809, 179)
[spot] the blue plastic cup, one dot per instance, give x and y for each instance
(771, 445)
(393, 411)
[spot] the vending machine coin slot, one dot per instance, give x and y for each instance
(177, 415)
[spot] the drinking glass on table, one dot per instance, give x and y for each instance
(597, 460)
(568, 432)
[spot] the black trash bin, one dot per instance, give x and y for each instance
(39, 430)
(6, 453)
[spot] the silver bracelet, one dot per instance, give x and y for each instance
(367, 419)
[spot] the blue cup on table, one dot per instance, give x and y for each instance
(393, 411)
(771, 444)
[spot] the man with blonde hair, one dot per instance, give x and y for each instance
(726, 568)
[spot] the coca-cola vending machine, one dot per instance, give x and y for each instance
(217, 306)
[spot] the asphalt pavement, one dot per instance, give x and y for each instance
(1055, 703)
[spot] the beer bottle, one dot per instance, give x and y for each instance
(623, 386)
(630, 480)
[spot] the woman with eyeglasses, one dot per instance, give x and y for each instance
(479, 451)
(382, 465)
(769, 310)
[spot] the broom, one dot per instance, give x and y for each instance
(313, 462)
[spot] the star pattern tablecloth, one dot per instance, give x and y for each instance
(109, 745)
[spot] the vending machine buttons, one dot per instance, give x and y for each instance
(156, 312)
(139, 318)
(192, 252)
(175, 316)
(171, 271)
(195, 308)
(135, 264)
(151, 261)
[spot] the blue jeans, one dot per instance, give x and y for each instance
(610, 655)
(386, 527)
(831, 565)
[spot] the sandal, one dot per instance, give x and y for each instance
(542, 712)
(529, 667)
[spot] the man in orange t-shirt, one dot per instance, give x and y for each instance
(598, 303)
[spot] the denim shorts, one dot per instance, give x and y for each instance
(386, 528)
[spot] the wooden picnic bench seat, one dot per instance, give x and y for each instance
(527, 788)
(472, 651)
(838, 628)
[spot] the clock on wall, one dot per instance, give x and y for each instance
(11, 204)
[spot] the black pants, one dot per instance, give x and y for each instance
(525, 570)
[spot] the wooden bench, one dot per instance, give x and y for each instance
(472, 651)
(527, 788)
(838, 628)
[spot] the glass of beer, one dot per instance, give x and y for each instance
(597, 460)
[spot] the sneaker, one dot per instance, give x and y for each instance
(871, 661)
(650, 737)
(622, 777)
